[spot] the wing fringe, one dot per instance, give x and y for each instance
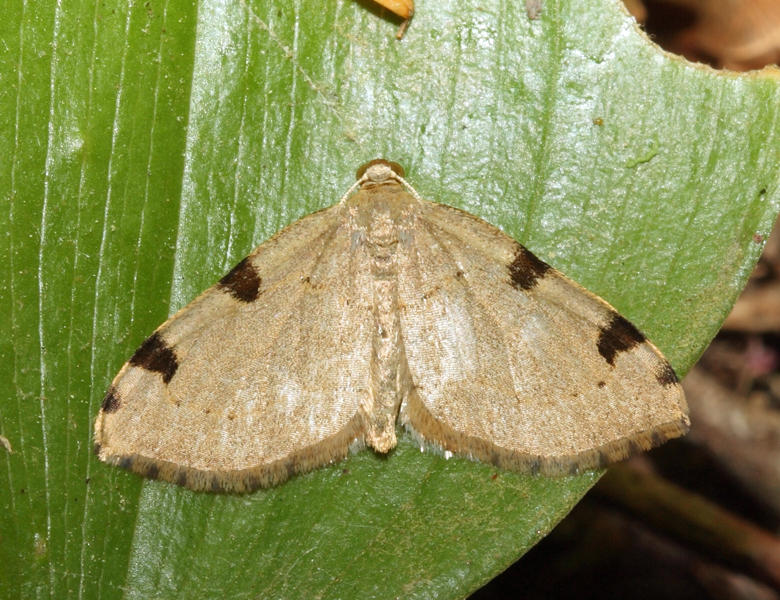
(434, 434)
(329, 450)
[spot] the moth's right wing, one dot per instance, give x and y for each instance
(515, 364)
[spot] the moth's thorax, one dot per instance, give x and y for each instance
(380, 212)
(376, 194)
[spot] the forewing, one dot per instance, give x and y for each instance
(515, 364)
(258, 378)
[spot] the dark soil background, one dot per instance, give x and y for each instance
(698, 517)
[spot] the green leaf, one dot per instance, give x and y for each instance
(148, 147)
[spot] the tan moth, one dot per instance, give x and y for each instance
(387, 310)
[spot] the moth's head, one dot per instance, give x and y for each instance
(379, 171)
(381, 174)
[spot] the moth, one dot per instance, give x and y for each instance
(387, 310)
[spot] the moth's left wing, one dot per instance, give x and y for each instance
(260, 377)
(515, 364)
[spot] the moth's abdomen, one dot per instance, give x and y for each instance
(387, 348)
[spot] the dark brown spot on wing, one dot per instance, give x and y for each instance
(155, 355)
(634, 448)
(152, 471)
(110, 402)
(619, 335)
(666, 375)
(657, 438)
(526, 269)
(242, 282)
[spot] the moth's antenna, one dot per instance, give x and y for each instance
(408, 186)
(353, 187)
